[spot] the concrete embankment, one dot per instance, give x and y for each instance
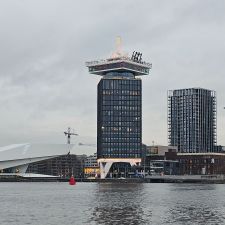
(186, 179)
(149, 179)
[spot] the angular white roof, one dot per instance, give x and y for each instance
(21, 154)
(24, 151)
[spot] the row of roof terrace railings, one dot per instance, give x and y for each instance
(112, 60)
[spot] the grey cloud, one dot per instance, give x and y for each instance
(45, 86)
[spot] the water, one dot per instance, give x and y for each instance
(128, 204)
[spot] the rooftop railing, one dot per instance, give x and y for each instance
(112, 60)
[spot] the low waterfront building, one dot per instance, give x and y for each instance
(164, 167)
(157, 160)
(15, 159)
(91, 168)
(199, 163)
(154, 161)
(159, 150)
(91, 161)
(63, 166)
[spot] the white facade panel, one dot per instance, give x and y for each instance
(22, 154)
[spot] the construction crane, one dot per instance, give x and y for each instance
(68, 134)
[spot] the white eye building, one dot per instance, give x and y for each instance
(15, 159)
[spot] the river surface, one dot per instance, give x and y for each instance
(111, 203)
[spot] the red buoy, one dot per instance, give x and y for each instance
(72, 180)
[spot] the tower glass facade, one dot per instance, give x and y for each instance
(119, 117)
(192, 120)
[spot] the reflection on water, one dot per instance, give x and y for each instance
(195, 204)
(118, 204)
(122, 204)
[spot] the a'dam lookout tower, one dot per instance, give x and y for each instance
(119, 116)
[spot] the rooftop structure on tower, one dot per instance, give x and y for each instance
(120, 63)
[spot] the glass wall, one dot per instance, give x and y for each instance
(119, 118)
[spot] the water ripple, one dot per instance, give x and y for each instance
(111, 204)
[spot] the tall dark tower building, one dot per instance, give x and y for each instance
(119, 122)
(192, 120)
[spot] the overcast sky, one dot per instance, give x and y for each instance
(45, 86)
